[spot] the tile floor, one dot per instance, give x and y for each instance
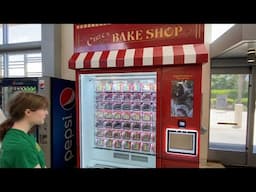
(211, 165)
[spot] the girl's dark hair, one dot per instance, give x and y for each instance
(17, 106)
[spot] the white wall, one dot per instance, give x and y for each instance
(67, 49)
(205, 110)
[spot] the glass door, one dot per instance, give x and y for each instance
(252, 122)
(118, 120)
(229, 116)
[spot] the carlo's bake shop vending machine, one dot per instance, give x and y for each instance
(138, 107)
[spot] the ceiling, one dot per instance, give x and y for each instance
(234, 43)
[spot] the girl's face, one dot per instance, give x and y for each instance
(37, 117)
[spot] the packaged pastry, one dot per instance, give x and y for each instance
(109, 143)
(153, 147)
(100, 133)
(153, 97)
(126, 86)
(136, 126)
(145, 147)
(136, 146)
(153, 137)
(117, 134)
(146, 127)
(108, 124)
(108, 133)
(108, 86)
(136, 136)
(146, 137)
(127, 97)
(117, 96)
(117, 86)
(145, 86)
(108, 96)
(125, 115)
(146, 107)
(136, 86)
(153, 128)
(100, 86)
(153, 86)
(146, 116)
(99, 96)
(146, 97)
(99, 142)
(126, 125)
(117, 125)
(118, 144)
(116, 115)
(127, 145)
(100, 105)
(136, 97)
(117, 106)
(107, 114)
(108, 106)
(126, 106)
(136, 106)
(135, 116)
(154, 107)
(99, 123)
(126, 135)
(99, 114)
(153, 116)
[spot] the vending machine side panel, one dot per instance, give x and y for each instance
(44, 131)
(77, 118)
(63, 124)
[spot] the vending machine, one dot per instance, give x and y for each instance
(146, 116)
(138, 95)
(57, 136)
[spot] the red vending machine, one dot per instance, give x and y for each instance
(138, 105)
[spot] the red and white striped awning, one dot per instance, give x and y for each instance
(148, 56)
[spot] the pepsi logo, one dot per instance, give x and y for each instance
(67, 98)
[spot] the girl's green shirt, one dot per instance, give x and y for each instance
(20, 150)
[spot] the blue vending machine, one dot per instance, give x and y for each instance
(57, 136)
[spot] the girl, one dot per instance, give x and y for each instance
(19, 147)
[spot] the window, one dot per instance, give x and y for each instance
(20, 33)
(34, 64)
(1, 36)
(20, 50)
(1, 64)
(28, 65)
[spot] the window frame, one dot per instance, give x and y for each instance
(17, 48)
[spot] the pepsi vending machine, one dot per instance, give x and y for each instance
(57, 136)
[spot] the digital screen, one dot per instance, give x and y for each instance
(180, 141)
(182, 98)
